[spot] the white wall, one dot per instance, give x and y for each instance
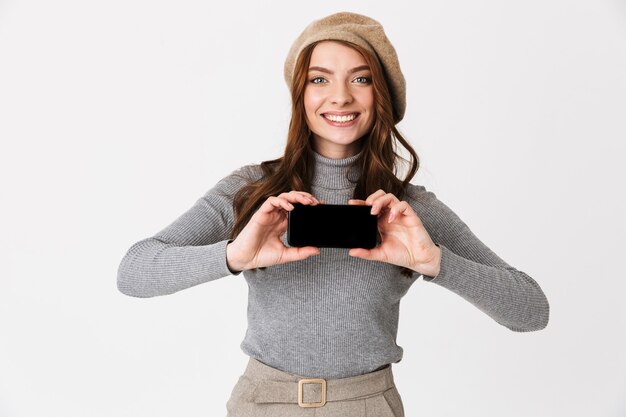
(116, 116)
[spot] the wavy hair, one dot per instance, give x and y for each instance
(379, 161)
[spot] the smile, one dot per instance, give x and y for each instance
(340, 120)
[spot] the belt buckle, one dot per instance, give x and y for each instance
(320, 381)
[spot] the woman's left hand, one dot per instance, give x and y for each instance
(404, 240)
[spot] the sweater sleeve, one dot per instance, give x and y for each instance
(470, 269)
(188, 252)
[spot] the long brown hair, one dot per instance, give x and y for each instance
(379, 162)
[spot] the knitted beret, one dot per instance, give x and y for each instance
(362, 31)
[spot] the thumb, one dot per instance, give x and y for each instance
(369, 254)
(297, 254)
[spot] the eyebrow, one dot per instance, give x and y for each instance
(326, 70)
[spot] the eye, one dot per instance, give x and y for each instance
(363, 80)
(318, 80)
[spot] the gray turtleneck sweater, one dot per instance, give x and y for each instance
(331, 315)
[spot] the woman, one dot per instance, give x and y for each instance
(322, 323)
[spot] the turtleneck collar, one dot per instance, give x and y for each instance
(333, 173)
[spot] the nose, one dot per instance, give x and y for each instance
(341, 94)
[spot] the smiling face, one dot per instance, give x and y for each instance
(338, 99)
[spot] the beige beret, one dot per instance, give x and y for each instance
(360, 30)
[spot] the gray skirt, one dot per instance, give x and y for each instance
(264, 391)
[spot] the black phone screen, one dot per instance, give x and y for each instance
(332, 226)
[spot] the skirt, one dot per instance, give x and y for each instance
(264, 391)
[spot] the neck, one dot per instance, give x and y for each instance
(335, 173)
(335, 151)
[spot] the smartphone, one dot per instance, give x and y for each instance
(332, 226)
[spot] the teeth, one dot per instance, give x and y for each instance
(341, 119)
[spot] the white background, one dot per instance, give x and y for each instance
(116, 116)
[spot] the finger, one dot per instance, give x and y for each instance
(309, 195)
(374, 196)
(382, 202)
(296, 198)
(299, 197)
(356, 202)
(402, 208)
(272, 203)
(303, 193)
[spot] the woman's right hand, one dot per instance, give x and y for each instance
(260, 244)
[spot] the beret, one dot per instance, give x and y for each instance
(362, 31)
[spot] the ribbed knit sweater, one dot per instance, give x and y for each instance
(331, 315)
